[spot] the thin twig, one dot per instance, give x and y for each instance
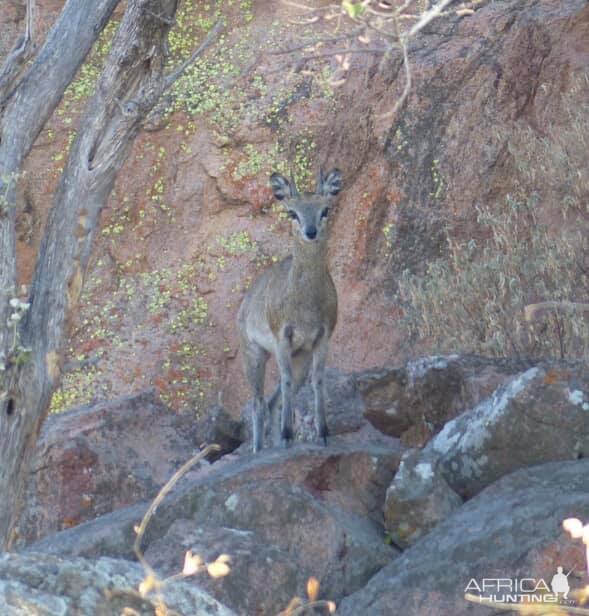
(428, 16)
(160, 497)
(313, 9)
(332, 39)
(209, 40)
(407, 87)
(342, 52)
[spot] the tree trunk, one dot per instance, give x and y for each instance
(130, 85)
(26, 106)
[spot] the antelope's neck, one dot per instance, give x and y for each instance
(309, 263)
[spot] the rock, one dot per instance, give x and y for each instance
(278, 536)
(95, 459)
(282, 516)
(47, 585)
(513, 428)
(417, 500)
(539, 416)
(263, 578)
(468, 81)
(344, 410)
(220, 428)
(510, 530)
(430, 391)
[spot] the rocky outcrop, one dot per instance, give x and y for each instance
(282, 516)
(96, 459)
(511, 530)
(417, 500)
(484, 498)
(414, 401)
(47, 585)
(540, 415)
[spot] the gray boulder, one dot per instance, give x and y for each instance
(513, 529)
(36, 584)
(282, 516)
(414, 401)
(539, 416)
(417, 500)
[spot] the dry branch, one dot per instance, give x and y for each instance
(370, 23)
(532, 312)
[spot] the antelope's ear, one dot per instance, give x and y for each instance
(281, 187)
(331, 184)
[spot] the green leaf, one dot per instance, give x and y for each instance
(352, 9)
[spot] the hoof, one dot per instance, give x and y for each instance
(323, 434)
(287, 435)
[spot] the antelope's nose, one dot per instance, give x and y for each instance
(311, 232)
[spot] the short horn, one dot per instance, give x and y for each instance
(320, 178)
(295, 190)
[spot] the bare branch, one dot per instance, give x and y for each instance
(333, 39)
(310, 9)
(141, 528)
(401, 100)
(341, 52)
(532, 312)
(428, 16)
(209, 40)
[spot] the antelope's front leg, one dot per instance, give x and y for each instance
(284, 360)
(255, 358)
(318, 376)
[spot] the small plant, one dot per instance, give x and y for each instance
(17, 353)
(237, 243)
(474, 299)
(481, 297)
(152, 584)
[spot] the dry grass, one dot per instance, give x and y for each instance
(534, 248)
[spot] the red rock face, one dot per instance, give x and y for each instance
(182, 196)
(96, 460)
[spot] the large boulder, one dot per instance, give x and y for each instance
(414, 401)
(47, 585)
(95, 459)
(511, 530)
(418, 498)
(282, 516)
(541, 415)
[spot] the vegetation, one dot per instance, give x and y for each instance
(529, 248)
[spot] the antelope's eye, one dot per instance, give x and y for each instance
(324, 213)
(292, 214)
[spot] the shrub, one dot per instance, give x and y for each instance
(532, 248)
(474, 299)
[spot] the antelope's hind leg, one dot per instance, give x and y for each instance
(300, 365)
(255, 358)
